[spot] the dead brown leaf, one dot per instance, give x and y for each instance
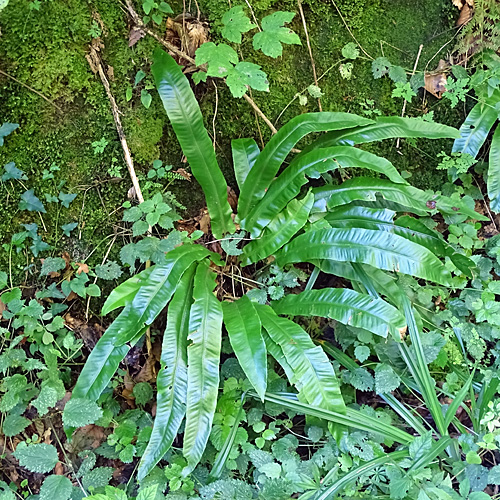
(435, 81)
(82, 268)
(466, 14)
(184, 173)
(135, 35)
(232, 197)
(85, 438)
(186, 33)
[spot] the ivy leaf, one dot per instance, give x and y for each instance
(235, 23)
(386, 379)
(66, 199)
(7, 128)
(380, 67)
(14, 424)
(30, 202)
(274, 33)
(37, 457)
(350, 51)
(39, 246)
(79, 412)
(220, 58)
(12, 172)
(67, 228)
(56, 487)
(244, 75)
(52, 265)
(109, 271)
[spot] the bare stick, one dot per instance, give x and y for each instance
(350, 32)
(310, 50)
(260, 113)
(405, 102)
(32, 90)
(119, 128)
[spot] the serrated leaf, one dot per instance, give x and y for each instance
(386, 379)
(40, 458)
(79, 412)
(56, 487)
(244, 75)
(231, 242)
(236, 23)
(97, 478)
(273, 34)
(350, 51)
(111, 270)
(219, 58)
(30, 202)
(380, 67)
(362, 353)
(315, 91)
(142, 393)
(14, 424)
(52, 265)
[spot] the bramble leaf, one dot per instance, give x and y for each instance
(236, 23)
(30, 202)
(220, 58)
(274, 33)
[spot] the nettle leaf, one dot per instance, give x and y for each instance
(236, 23)
(142, 393)
(30, 202)
(274, 33)
(56, 487)
(381, 67)
(12, 172)
(109, 271)
(220, 58)
(350, 51)
(14, 424)
(244, 75)
(6, 128)
(37, 457)
(386, 379)
(52, 265)
(362, 353)
(79, 412)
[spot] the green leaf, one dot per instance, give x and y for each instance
(380, 67)
(187, 122)
(274, 33)
(79, 412)
(165, 8)
(277, 149)
(231, 242)
(245, 152)
(420, 446)
(56, 487)
(280, 230)
(142, 393)
(67, 228)
(379, 249)
(52, 265)
(385, 127)
(408, 197)
(346, 306)
(146, 97)
(476, 127)
(244, 330)
(386, 379)
(6, 128)
(66, 199)
(350, 51)
(39, 458)
(111, 270)
(235, 23)
(205, 325)
(244, 75)
(287, 186)
(313, 374)
(494, 172)
(30, 202)
(219, 58)
(157, 290)
(14, 425)
(172, 379)
(12, 172)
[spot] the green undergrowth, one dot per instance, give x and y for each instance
(46, 48)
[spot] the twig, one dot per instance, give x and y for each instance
(32, 90)
(310, 50)
(253, 15)
(405, 102)
(350, 32)
(260, 113)
(94, 59)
